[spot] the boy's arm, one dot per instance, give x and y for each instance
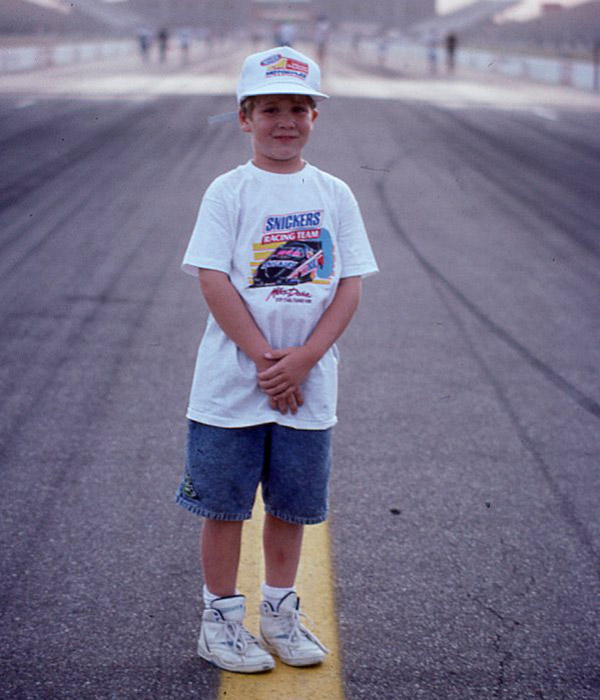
(232, 315)
(294, 364)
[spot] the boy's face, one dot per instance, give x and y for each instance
(280, 126)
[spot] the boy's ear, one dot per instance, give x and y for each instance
(244, 122)
(315, 113)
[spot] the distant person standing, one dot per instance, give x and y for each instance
(382, 49)
(596, 53)
(286, 34)
(255, 36)
(322, 31)
(432, 52)
(184, 44)
(451, 45)
(163, 44)
(144, 40)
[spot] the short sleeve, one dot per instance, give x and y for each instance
(212, 240)
(356, 254)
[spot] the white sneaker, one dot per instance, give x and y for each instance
(225, 642)
(282, 634)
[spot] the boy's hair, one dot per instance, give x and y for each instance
(249, 103)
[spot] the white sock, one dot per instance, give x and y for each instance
(273, 595)
(209, 598)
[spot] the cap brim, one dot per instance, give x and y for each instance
(281, 88)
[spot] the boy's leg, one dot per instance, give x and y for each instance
(282, 542)
(221, 545)
(224, 641)
(222, 471)
(282, 632)
(295, 488)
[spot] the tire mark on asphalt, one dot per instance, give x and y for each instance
(530, 158)
(47, 507)
(76, 203)
(41, 124)
(52, 341)
(91, 400)
(579, 147)
(86, 188)
(587, 403)
(567, 508)
(567, 219)
(24, 185)
(77, 333)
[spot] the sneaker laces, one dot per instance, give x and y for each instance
(297, 630)
(239, 636)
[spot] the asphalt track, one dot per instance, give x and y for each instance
(464, 534)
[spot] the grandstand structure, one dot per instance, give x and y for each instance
(564, 31)
(463, 19)
(100, 16)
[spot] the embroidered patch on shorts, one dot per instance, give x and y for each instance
(187, 488)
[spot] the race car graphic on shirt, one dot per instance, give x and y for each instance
(290, 263)
(288, 255)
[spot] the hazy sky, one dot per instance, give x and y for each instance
(526, 8)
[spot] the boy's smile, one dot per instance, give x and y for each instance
(280, 126)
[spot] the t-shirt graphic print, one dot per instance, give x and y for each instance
(292, 251)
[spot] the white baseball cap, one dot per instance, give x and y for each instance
(280, 71)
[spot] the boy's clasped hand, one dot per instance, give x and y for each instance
(282, 374)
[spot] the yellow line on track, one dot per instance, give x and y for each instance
(315, 588)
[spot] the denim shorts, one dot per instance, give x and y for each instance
(224, 467)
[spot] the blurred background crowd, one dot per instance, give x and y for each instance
(562, 28)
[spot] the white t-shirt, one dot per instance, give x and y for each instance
(285, 240)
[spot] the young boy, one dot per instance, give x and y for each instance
(280, 248)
